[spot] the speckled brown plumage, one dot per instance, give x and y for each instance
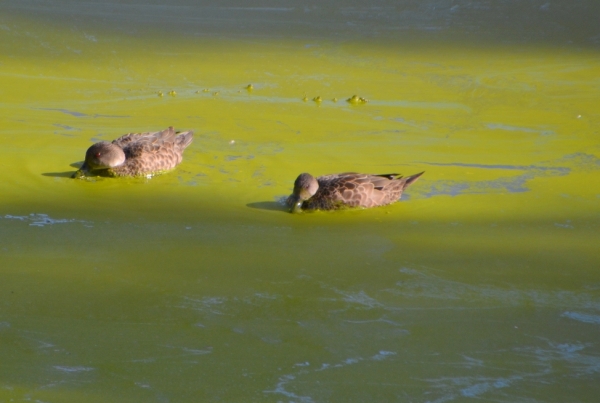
(349, 189)
(137, 154)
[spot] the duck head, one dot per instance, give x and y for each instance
(305, 187)
(102, 155)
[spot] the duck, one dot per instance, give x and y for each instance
(136, 154)
(349, 189)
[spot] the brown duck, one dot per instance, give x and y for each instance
(136, 154)
(332, 192)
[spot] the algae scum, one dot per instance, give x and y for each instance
(197, 285)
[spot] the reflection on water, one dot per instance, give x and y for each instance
(198, 285)
(40, 220)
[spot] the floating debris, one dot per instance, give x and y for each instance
(355, 100)
(231, 142)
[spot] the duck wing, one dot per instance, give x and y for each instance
(363, 190)
(163, 136)
(346, 189)
(136, 144)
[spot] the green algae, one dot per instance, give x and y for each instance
(197, 284)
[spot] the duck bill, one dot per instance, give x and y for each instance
(83, 171)
(296, 208)
(295, 204)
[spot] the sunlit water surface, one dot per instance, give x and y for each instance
(483, 283)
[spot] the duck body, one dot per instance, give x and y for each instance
(136, 154)
(332, 192)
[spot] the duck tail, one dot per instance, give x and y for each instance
(409, 180)
(184, 139)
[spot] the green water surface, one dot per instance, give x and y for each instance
(483, 283)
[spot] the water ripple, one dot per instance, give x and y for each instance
(41, 220)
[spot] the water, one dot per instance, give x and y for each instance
(196, 285)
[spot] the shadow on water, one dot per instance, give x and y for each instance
(268, 205)
(563, 23)
(66, 174)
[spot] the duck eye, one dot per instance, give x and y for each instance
(97, 155)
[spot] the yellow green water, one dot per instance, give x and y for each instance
(196, 285)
